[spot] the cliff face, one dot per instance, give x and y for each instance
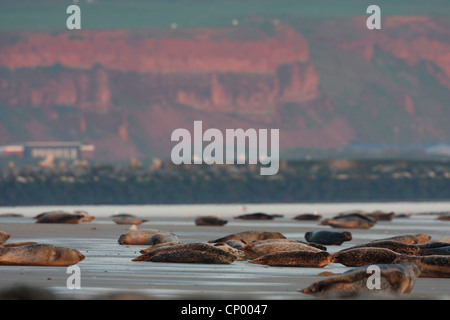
(426, 40)
(126, 91)
(225, 73)
(209, 70)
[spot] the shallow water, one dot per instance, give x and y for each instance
(227, 210)
(108, 266)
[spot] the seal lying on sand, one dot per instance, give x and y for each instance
(411, 249)
(129, 220)
(432, 266)
(53, 216)
(395, 278)
(308, 217)
(441, 251)
(409, 239)
(59, 217)
(210, 221)
(249, 236)
(257, 249)
(138, 237)
(395, 246)
(189, 253)
(365, 256)
(11, 215)
(257, 216)
(380, 215)
(309, 244)
(4, 237)
(40, 255)
(298, 258)
(163, 237)
(328, 237)
(123, 215)
(350, 221)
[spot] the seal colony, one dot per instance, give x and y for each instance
(401, 258)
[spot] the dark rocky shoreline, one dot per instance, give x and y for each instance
(296, 181)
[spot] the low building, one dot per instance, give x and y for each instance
(12, 150)
(56, 149)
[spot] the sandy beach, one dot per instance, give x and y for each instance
(108, 268)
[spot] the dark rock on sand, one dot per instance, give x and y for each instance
(210, 221)
(308, 217)
(257, 216)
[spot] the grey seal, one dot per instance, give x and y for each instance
(394, 278)
(189, 253)
(327, 237)
(210, 221)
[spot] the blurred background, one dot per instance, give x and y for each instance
(114, 91)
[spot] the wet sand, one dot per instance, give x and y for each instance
(108, 268)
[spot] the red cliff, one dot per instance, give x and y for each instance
(126, 90)
(235, 75)
(422, 43)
